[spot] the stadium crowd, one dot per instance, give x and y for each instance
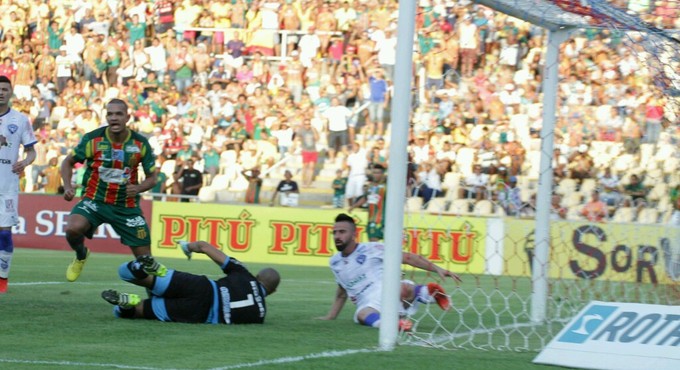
(241, 84)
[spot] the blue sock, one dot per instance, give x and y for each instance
(6, 251)
(372, 320)
(6, 243)
(418, 289)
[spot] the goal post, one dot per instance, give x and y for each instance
(545, 180)
(396, 183)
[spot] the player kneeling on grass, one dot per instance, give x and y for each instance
(237, 298)
(358, 269)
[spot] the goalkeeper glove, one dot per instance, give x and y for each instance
(185, 248)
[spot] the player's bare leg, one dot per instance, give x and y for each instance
(141, 251)
(75, 236)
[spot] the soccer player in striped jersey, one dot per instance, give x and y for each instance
(15, 131)
(112, 155)
(358, 269)
(375, 195)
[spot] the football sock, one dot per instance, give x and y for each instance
(422, 295)
(372, 320)
(137, 270)
(6, 251)
(78, 245)
(124, 313)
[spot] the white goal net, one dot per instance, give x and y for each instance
(616, 112)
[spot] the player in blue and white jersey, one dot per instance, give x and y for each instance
(15, 131)
(358, 269)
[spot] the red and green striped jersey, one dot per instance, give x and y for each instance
(375, 197)
(110, 166)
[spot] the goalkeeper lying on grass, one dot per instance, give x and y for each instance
(358, 269)
(237, 298)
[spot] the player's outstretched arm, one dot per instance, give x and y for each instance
(422, 263)
(340, 299)
(209, 250)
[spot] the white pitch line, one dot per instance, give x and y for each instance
(31, 283)
(71, 364)
(288, 360)
(276, 361)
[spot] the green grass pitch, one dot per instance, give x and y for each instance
(48, 323)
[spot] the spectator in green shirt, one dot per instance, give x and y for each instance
(260, 130)
(160, 186)
(339, 184)
(211, 161)
(136, 29)
(636, 190)
(675, 194)
(185, 153)
(236, 135)
(54, 39)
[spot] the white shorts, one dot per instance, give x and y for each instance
(235, 63)
(369, 299)
(9, 215)
(22, 92)
(355, 186)
(373, 298)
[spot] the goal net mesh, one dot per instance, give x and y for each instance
(625, 258)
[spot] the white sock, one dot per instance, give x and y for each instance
(5, 262)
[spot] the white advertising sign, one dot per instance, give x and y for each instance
(618, 336)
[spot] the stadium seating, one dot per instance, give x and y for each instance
(436, 205)
(656, 163)
(648, 216)
(239, 184)
(572, 199)
(574, 213)
(623, 163)
(566, 186)
(219, 182)
(207, 195)
(483, 208)
(624, 214)
(459, 207)
(587, 187)
(414, 204)
(451, 180)
(659, 191)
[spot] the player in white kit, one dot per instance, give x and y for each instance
(15, 131)
(358, 269)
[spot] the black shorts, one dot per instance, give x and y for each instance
(164, 27)
(189, 298)
(337, 139)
